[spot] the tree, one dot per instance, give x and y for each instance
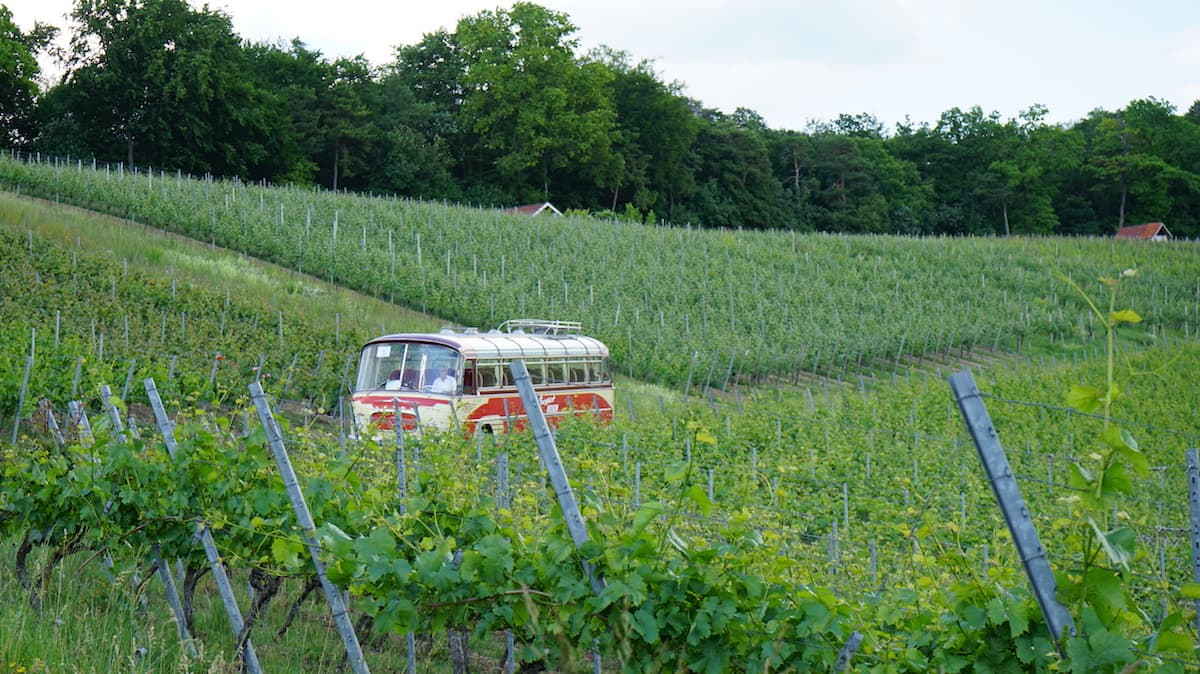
(862, 125)
(1193, 113)
(657, 129)
(537, 110)
(157, 82)
(735, 185)
(293, 79)
(953, 157)
(1032, 161)
(1141, 160)
(861, 187)
(346, 122)
(414, 156)
(19, 73)
(791, 155)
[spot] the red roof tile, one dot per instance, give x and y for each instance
(1146, 231)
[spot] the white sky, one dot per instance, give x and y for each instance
(795, 61)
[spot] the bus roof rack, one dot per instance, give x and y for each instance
(537, 326)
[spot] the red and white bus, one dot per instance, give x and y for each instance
(460, 378)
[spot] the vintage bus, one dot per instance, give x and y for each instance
(460, 378)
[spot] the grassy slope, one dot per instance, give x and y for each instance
(171, 256)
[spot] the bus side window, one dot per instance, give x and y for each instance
(487, 375)
(556, 372)
(579, 373)
(506, 378)
(537, 373)
(468, 378)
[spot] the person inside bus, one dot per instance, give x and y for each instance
(445, 382)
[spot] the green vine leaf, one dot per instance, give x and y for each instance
(1115, 481)
(1086, 399)
(1126, 446)
(1189, 591)
(1124, 316)
(697, 495)
(647, 513)
(1119, 544)
(286, 552)
(1079, 477)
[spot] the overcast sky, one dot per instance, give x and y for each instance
(810, 60)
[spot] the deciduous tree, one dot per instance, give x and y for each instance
(19, 72)
(536, 108)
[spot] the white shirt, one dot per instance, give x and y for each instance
(444, 384)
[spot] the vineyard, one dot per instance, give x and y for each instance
(98, 316)
(792, 503)
(671, 302)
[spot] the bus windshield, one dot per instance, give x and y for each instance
(409, 366)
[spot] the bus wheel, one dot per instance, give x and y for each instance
(487, 428)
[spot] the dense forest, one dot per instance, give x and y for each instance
(506, 109)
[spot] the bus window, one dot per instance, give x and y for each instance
(377, 365)
(600, 372)
(468, 378)
(486, 375)
(537, 373)
(401, 365)
(506, 378)
(556, 372)
(578, 373)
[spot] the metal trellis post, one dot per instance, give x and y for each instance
(553, 463)
(341, 616)
(1012, 504)
(1193, 469)
(167, 429)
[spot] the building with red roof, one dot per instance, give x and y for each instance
(1152, 231)
(534, 209)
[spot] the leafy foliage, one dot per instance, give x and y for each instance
(503, 109)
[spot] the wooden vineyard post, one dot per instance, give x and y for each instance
(167, 429)
(337, 606)
(1012, 505)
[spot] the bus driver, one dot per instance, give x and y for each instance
(445, 382)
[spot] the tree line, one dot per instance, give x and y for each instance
(505, 110)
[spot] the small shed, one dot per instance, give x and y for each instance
(535, 209)
(1151, 231)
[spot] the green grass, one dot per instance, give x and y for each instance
(88, 623)
(161, 254)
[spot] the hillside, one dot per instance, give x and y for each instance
(778, 508)
(673, 303)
